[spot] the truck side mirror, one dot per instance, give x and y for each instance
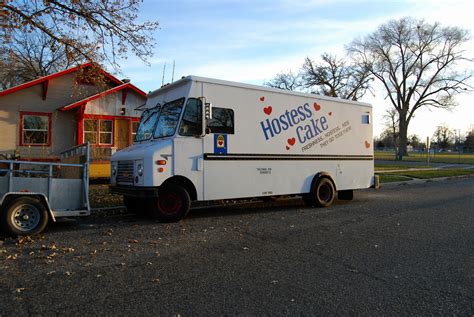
(208, 111)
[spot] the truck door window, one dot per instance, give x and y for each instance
(168, 119)
(222, 121)
(191, 123)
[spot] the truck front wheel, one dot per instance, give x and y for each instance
(172, 204)
(24, 216)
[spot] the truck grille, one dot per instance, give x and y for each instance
(125, 172)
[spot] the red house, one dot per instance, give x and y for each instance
(41, 118)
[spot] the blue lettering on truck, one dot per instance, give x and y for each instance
(307, 124)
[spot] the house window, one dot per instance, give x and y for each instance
(98, 132)
(35, 128)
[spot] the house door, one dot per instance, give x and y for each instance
(122, 133)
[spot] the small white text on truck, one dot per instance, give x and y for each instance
(203, 139)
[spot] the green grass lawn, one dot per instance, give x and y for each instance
(433, 173)
(388, 178)
(386, 167)
(421, 157)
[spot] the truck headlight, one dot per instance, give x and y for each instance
(140, 169)
(113, 169)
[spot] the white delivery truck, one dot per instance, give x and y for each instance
(202, 139)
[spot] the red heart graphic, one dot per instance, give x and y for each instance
(317, 106)
(330, 113)
(220, 143)
(268, 110)
(291, 141)
(287, 147)
(367, 144)
(262, 98)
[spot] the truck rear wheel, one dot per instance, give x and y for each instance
(322, 193)
(173, 204)
(24, 216)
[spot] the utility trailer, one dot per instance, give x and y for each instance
(203, 139)
(34, 193)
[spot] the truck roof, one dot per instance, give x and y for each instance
(189, 78)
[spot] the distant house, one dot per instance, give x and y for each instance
(41, 118)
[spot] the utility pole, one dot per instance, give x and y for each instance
(428, 150)
(459, 145)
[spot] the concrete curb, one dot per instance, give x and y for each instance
(428, 180)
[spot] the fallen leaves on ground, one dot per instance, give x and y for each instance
(101, 197)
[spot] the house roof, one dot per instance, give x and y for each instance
(102, 94)
(45, 79)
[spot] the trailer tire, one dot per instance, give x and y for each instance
(322, 193)
(172, 204)
(24, 216)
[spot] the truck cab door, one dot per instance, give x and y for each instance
(188, 146)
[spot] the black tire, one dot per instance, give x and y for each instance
(345, 194)
(136, 205)
(24, 216)
(172, 205)
(322, 193)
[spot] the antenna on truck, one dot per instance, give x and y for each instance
(163, 77)
(172, 74)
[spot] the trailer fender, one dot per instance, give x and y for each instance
(41, 197)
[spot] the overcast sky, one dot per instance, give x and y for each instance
(252, 40)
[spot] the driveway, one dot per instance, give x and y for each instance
(397, 251)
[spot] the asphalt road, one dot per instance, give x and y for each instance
(402, 250)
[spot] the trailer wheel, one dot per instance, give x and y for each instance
(172, 204)
(322, 193)
(24, 216)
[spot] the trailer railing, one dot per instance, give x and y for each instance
(80, 153)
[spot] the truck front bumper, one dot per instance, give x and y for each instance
(134, 191)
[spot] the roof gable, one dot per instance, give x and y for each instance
(124, 86)
(45, 79)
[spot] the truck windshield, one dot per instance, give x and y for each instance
(147, 123)
(169, 118)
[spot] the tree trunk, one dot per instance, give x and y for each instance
(402, 137)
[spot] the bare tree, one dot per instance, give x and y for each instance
(286, 81)
(443, 137)
(32, 55)
(336, 78)
(415, 141)
(332, 77)
(391, 123)
(415, 62)
(469, 140)
(92, 30)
